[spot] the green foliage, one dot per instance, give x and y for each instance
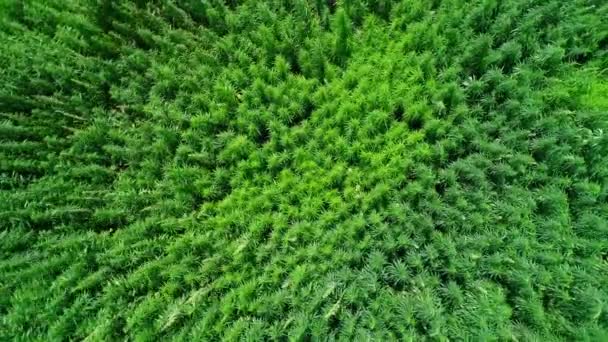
(303, 170)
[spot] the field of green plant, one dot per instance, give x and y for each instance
(304, 170)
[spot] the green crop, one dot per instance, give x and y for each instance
(303, 170)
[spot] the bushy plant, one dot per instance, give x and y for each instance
(295, 170)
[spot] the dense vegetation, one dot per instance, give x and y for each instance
(295, 170)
